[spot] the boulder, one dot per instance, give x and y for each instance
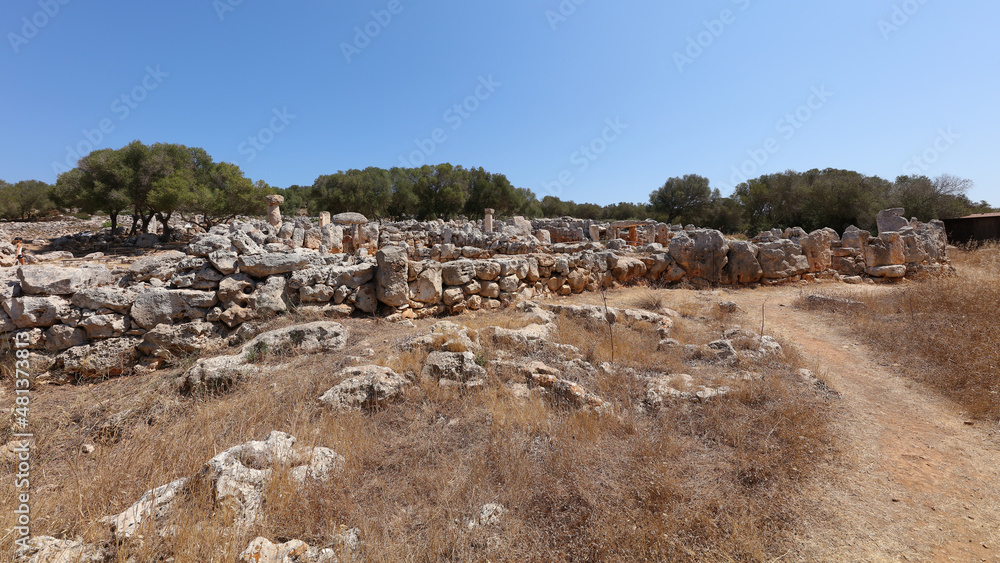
(243, 243)
(458, 272)
(30, 312)
(236, 288)
(391, 286)
(349, 218)
(817, 248)
(782, 259)
(111, 325)
(116, 299)
(225, 261)
(53, 280)
(366, 387)
(427, 287)
(891, 220)
(162, 306)
(702, 253)
(319, 336)
(269, 299)
(160, 266)
(885, 250)
(236, 479)
(106, 358)
(742, 266)
(177, 340)
(207, 243)
(540, 375)
(60, 337)
(272, 263)
(365, 300)
(456, 366)
(854, 238)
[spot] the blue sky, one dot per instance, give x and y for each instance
(589, 100)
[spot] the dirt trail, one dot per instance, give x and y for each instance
(915, 482)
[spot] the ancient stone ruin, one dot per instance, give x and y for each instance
(96, 322)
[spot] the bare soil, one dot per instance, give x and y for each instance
(916, 480)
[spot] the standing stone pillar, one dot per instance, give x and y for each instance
(595, 233)
(488, 220)
(324, 218)
(274, 210)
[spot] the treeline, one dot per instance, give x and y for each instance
(167, 179)
(428, 192)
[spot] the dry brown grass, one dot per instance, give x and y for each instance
(944, 331)
(699, 482)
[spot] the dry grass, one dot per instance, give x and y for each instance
(699, 482)
(944, 331)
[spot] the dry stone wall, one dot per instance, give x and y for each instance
(97, 322)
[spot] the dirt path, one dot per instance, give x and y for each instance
(916, 483)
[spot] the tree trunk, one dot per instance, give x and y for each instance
(165, 221)
(114, 222)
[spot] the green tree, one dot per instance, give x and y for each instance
(681, 198)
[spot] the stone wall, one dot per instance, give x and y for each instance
(96, 322)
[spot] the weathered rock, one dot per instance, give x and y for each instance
(270, 264)
(106, 358)
(854, 238)
(742, 266)
(243, 243)
(349, 218)
(427, 286)
(116, 299)
(30, 312)
(159, 306)
(782, 259)
(46, 549)
(885, 250)
(816, 247)
(458, 272)
(393, 266)
(154, 505)
(160, 266)
(891, 220)
(225, 261)
(60, 337)
(54, 280)
(269, 298)
(541, 375)
(177, 340)
(895, 271)
(454, 296)
(105, 326)
(366, 387)
(207, 243)
(456, 366)
(701, 253)
(236, 288)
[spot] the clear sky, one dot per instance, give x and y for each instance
(589, 100)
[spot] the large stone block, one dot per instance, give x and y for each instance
(53, 280)
(393, 266)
